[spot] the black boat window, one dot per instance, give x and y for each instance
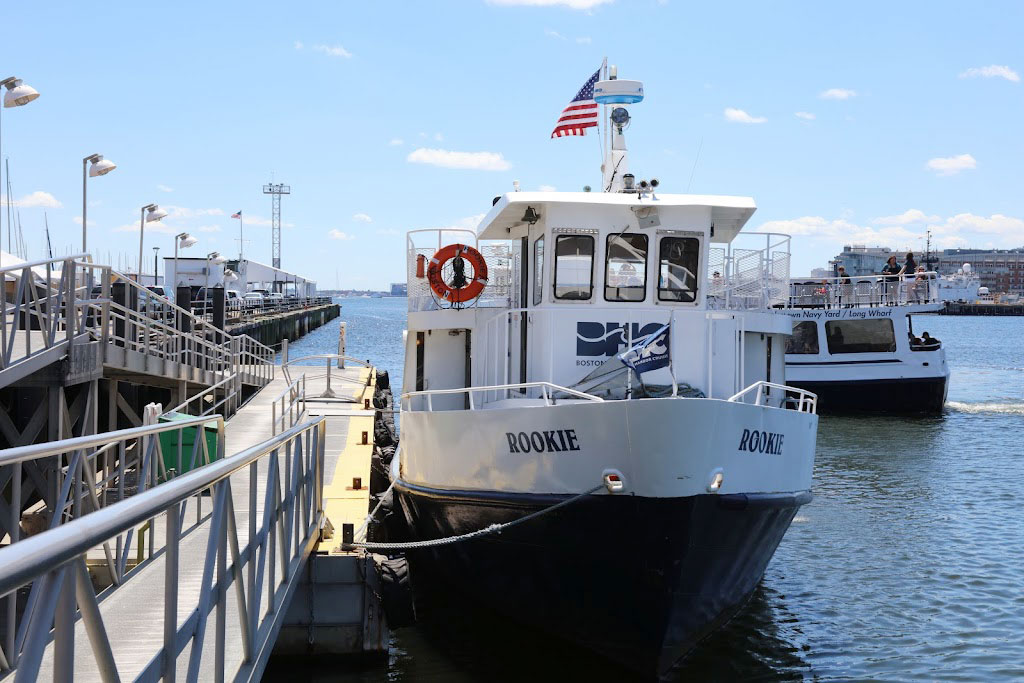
(860, 336)
(538, 271)
(574, 267)
(625, 270)
(677, 274)
(804, 339)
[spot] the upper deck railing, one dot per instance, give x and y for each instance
(749, 273)
(865, 291)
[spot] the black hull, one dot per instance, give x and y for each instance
(639, 580)
(899, 396)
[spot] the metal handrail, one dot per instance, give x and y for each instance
(293, 395)
(10, 456)
(43, 262)
(55, 560)
(546, 388)
(806, 403)
(231, 379)
(856, 291)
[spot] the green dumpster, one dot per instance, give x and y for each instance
(169, 443)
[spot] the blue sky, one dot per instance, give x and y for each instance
(910, 118)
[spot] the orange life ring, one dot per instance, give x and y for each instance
(461, 294)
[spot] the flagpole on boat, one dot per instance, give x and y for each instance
(606, 146)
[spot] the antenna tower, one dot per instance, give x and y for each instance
(275, 190)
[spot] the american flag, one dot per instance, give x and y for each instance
(581, 113)
(237, 214)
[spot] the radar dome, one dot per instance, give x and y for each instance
(967, 267)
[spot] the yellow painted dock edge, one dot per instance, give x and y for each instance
(342, 503)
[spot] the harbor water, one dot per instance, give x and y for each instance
(906, 566)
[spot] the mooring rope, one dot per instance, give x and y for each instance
(486, 531)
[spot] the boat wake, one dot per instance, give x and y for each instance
(988, 407)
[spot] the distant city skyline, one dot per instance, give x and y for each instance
(845, 129)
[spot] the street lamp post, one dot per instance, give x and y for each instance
(18, 94)
(215, 258)
(183, 240)
(156, 276)
(100, 166)
(150, 214)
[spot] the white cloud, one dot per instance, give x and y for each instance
(952, 165)
(438, 137)
(395, 142)
(185, 212)
(554, 34)
(837, 94)
(362, 218)
(909, 217)
(546, 188)
(298, 44)
(805, 115)
(997, 231)
(339, 235)
(208, 228)
(992, 71)
(583, 40)
(569, 4)
(480, 161)
(164, 188)
(332, 50)
(35, 200)
(740, 116)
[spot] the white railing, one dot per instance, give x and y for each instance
(742, 277)
(54, 562)
(856, 291)
(546, 389)
(289, 406)
(805, 402)
(253, 358)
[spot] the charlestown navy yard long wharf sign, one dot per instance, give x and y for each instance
(552, 441)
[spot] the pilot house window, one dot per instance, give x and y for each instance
(574, 266)
(677, 276)
(625, 275)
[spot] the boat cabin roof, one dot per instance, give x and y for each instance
(728, 214)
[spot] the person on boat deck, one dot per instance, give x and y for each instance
(920, 286)
(929, 341)
(891, 270)
(845, 287)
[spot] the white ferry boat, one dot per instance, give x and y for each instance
(962, 286)
(854, 344)
(567, 347)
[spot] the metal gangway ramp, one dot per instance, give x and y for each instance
(202, 565)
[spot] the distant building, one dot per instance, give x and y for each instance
(1000, 270)
(862, 260)
(399, 289)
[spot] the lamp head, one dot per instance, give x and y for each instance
(230, 275)
(154, 213)
(186, 240)
(18, 94)
(100, 166)
(216, 258)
